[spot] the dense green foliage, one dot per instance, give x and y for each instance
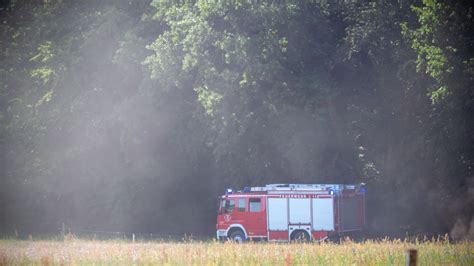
(109, 109)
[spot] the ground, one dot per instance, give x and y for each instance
(381, 252)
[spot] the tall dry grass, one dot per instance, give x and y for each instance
(382, 252)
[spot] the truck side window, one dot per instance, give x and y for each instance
(229, 206)
(241, 205)
(255, 204)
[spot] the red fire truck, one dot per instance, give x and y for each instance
(285, 212)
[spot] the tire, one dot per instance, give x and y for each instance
(300, 236)
(237, 236)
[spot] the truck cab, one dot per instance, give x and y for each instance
(241, 216)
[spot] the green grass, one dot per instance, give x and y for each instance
(383, 252)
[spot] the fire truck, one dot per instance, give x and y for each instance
(291, 212)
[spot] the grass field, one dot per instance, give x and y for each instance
(383, 252)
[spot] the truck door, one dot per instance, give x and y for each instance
(256, 222)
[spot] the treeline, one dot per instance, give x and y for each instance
(135, 115)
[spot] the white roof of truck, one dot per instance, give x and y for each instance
(302, 187)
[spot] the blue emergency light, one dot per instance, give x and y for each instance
(331, 192)
(228, 191)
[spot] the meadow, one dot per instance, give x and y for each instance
(371, 252)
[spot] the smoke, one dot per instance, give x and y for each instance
(108, 156)
(463, 228)
(113, 151)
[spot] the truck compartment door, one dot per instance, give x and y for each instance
(277, 214)
(352, 213)
(323, 214)
(300, 211)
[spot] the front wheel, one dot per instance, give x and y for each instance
(237, 236)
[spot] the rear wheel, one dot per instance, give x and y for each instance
(237, 236)
(300, 236)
